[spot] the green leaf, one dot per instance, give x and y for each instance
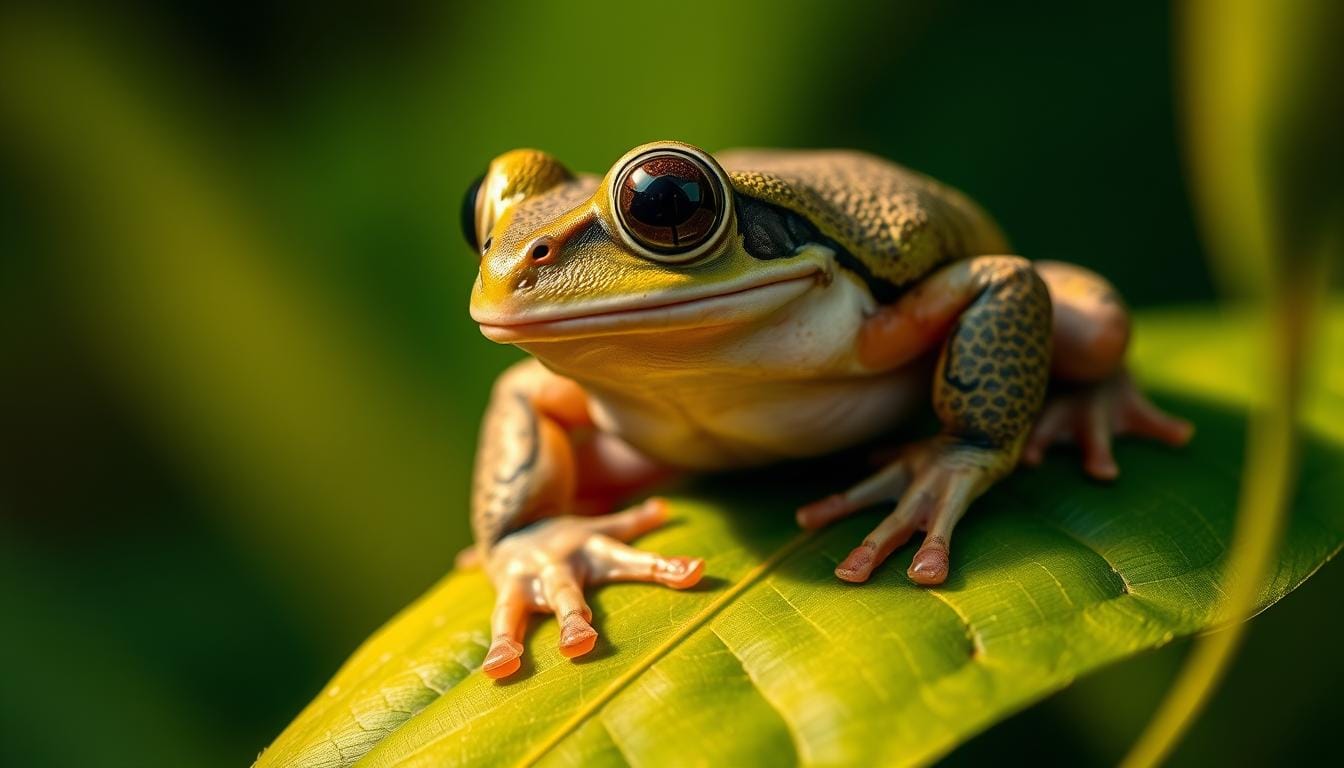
(774, 660)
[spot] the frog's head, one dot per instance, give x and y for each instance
(653, 246)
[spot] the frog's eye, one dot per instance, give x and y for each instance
(671, 203)
(469, 208)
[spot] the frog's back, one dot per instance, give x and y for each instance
(900, 224)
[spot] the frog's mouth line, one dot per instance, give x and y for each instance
(732, 306)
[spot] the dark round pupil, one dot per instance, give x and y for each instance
(668, 203)
(665, 201)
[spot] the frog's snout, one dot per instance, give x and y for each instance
(505, 274)
(542, 251)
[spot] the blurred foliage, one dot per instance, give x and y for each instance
(1272, 205)
(240, 387)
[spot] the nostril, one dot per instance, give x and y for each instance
(540, 251)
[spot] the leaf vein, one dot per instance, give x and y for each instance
(1089, 546)
(799, 746)
(638, 668)
(972, 634)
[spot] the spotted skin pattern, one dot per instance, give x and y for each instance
(992, 376)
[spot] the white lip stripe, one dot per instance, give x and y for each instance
(705, 311)
(797, 269)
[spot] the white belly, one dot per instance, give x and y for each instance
(715, 427)
(789, 387)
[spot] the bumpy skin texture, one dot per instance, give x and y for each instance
(901, 224)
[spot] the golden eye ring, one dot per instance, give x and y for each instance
(671, 204)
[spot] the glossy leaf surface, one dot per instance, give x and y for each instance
(773, 659)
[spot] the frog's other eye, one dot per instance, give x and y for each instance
(670, 203)
(470, 206)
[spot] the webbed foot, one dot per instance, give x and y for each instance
(935, 481)
(544, 567)
(1093, 415)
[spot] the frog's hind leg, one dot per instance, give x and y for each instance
(992, 315)
(1093, 397)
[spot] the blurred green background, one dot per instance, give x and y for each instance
(240, 386)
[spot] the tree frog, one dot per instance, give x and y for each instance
(696, 312)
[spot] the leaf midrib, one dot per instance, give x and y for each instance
(586, 710)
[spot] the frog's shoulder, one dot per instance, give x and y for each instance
(899, 223)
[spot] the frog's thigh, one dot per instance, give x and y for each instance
(1091, 331)
(1090, 323)
(992, 316)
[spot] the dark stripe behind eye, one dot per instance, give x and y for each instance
(770, 231)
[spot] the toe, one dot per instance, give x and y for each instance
(889, 483)
(1047, 430)
(507, 623)
(633, 522)
(679, 572)
(1101, 466)
(577, 636)
(504, 658)
(612, 560)
(1094, 436)
(859, 565)
(930, 564)
(564, 596)
(468, 559)
(821, 513)
(1032, 455)
(1141, 417)
(955, 490)
(886, 538)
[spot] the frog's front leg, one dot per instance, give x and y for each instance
(992, 314)
(538, 457)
